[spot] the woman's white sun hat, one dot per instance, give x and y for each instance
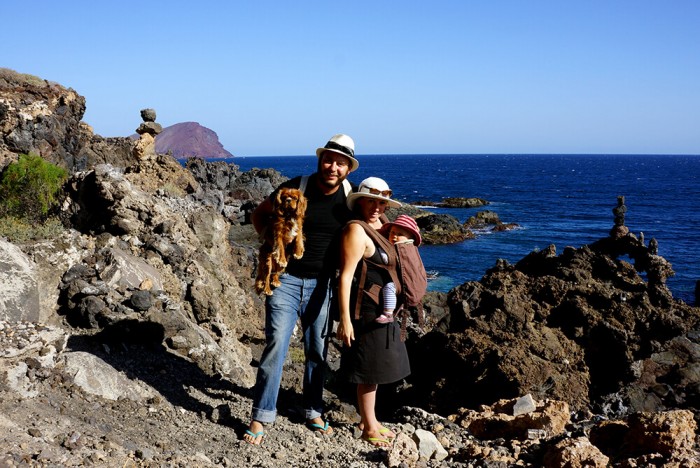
(372, 187)
(341, 144)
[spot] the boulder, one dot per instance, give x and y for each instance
(575, 453)
(403, 452)
(96, 377)
(442, 229)
(123, 271)
(498, 420)
(52, 257)
(428, 446)
(670, 433)
(642, 437)
(19, 287)
(482, 219)
(486, 219)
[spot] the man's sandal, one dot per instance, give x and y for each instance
(324, 428)
(254, 436)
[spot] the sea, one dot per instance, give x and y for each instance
(565, 200)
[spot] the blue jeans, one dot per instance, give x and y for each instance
(295, 298)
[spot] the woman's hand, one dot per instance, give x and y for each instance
(353, 247)
(345, 332)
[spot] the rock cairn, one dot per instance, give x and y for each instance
(145, 148)
(619, 230)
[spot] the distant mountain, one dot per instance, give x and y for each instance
(187, 139)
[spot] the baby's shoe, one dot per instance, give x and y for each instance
(385, 318)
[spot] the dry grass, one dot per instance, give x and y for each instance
(20, 232)
(11, 76)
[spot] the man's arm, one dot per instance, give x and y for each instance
(261, 215)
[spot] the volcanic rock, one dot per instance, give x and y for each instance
(442, 229)
(575, 453)
(582, 327)
(485, 219)
(44, 118)
(455, 202)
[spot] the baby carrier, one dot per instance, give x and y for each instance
(405, 267)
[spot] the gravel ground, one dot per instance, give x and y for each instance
(191, 419)
(187, 418)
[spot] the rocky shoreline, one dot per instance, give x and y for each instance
(131, 338)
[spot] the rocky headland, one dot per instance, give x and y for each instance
(455, 202)
(186, 140)
(130, 338)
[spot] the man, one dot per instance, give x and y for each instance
(304, 292)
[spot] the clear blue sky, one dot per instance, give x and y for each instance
(280, 77)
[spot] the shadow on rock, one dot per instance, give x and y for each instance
(135, 348)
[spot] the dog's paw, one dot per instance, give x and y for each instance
(282, 263)
(299, 252)
(275, 283)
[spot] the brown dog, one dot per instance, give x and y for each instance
(280, 238)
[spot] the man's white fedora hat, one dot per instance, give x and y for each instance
(341, 144)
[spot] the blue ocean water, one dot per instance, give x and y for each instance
(565, 200)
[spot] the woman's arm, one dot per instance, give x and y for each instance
(353, 248)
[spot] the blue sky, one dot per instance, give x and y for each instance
(279, 78)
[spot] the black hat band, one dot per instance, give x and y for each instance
(343, 149)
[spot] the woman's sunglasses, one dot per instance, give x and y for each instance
(374, 191)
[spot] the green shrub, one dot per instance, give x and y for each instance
(29, 188)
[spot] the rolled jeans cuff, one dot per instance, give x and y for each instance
(264, 416)
(312, 414)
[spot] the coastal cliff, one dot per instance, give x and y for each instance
(137, 329)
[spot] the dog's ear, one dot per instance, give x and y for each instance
(301, 204)
(278, 198)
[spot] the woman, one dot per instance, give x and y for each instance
(375, 353)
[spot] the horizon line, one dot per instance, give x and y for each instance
(472, 154)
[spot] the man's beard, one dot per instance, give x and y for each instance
(326, 182)
(332, 184)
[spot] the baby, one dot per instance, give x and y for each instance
(402, 231)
